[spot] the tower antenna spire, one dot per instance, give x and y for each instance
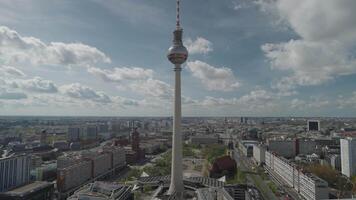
(178, 16)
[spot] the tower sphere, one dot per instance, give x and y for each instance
(177, 53)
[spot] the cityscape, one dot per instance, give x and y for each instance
(82, 120)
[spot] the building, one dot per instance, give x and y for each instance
(313, 125)
(204, 140)
(285, 148)
(246, 147)
(73, 134)
(103, 191)
(348, 156)
(61, 145)
(117, 155)
(259, 154)
(309, 186)
(335, 161)
(103, 128)
(101, 162)
(135, 140)
(43, 138)
(14, 172)
(74, 175)
(91, 132)
(67, 160)
(34, 191)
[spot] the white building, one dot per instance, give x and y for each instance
(14, 172)
(259, 152)
(309, 186)
(348, 156)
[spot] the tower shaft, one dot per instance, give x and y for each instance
(176, 185)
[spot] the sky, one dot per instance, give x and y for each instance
(246, 57)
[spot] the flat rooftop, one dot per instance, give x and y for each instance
(29, 188)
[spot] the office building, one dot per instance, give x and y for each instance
(91, 132)
(14, 172)
(73, 134)
(348, 156)
(313, 125)
(309, 186)
(259, 154)
(285, 148)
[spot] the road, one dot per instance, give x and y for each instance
(255, 179)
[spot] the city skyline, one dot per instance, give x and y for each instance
(248, 58)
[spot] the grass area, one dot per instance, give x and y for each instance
(162, 166)
(273, 187)
(214, 151)
(239, 178)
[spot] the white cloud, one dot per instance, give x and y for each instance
(15, 48)
(35, 84)
(199, 46)
(313, 102)
(122, 73)
(347, 102)
(153, 88)
(256, 100)
(78, 91)
(10, 71)
(326, 46)
(214, 78)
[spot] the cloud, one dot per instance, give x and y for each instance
(35, 84)
(313, 102)
(214, 78)
(6, 95)
(11, 71)
(253, 101)
(122, 73)
(15, 48)
(347, 102)
(325, 49)
(78, 91)
(199, 46)
(135, 12)
(153, 88)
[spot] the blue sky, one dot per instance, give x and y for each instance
(247, 57)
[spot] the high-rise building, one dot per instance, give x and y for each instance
(313, 125)
(177, 54)
(14, 172)
(43, 138)
(91, 132)
(135, 140)
(103, 128)
(73, 134)
(348, 156)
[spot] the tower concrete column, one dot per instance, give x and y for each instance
(176, 185)
(177, 54)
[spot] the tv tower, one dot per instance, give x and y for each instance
(177, 54)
